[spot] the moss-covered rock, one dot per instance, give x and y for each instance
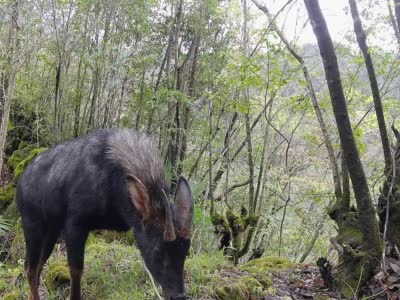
(245, 288)
(241, 288)
(7, 194)
(57, 275)
(267, 264)
(22, 165)
(19, 155)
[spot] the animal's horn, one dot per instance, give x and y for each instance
(169, 231)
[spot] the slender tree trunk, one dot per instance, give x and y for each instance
(175, 125)
(186, 108)
(12, 67)
(393, 21)
(397, 12)
(362, 42)
(246, 96)
(57, 96)
(316, 234)
(371, 243)
(141, 97)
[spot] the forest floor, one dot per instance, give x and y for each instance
(303, 282)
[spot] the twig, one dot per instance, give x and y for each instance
(388, 197)
(336, 245)
(153, 284)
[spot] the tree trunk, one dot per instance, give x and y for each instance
(397, 12)
(12, 67)
(393, 21)
(359, 267)
(362, 42)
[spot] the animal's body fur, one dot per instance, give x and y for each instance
(112, 179)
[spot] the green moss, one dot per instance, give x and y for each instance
(349, 232)
(267, 264)
(22, 165)
(11, 296)
(245, 288)
(16, 158)
(358, 266)
(2, 285)
(12, 282)
(115, 271)
(235, 221)
(7, 194)
(20, 154)
(200, 270)
(220, 223)
(112, 271)
(57, 275)
(23, 145)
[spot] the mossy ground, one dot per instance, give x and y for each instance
(115, 270)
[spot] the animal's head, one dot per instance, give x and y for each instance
(164, 244)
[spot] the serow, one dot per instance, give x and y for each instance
(111, 179)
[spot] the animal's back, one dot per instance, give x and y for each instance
(61, 173)
(85, 177)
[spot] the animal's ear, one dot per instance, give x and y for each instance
(139, 196)
(184, 207)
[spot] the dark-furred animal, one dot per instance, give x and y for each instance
(111, 179)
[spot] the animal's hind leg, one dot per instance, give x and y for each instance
(75, 237)
(47, 247)
(33, 240)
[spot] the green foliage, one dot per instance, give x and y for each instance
(18, 244)
(115, 271)
(57, 275)
(12, 213)
(200, 269)
(19, 155)
(7, 194)
(5, 225)
(22, 165)
(124, 237)
(13, 286)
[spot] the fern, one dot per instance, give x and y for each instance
(5, 226)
